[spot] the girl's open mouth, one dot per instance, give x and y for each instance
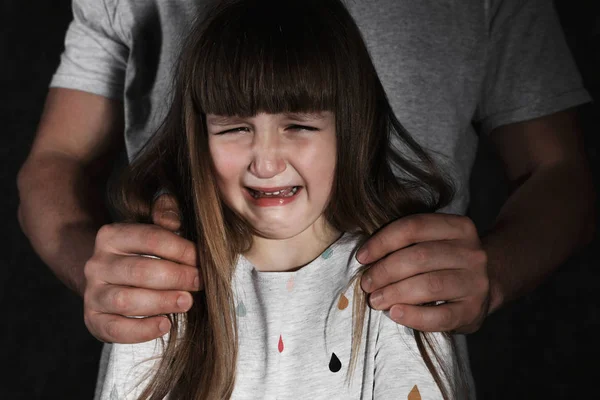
(281, 193)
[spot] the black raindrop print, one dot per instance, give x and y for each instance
(334, 364)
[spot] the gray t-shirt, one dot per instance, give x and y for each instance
(295, 334)
(443, 65)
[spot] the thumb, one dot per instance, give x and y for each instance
(165, 212)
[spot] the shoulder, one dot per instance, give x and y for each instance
(398, 354)
(344, 250)
(129, 368)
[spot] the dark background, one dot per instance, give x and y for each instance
(541, 347)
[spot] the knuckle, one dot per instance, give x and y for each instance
(90, 268)
(383, 271)
(134, 271)
(446, 318)
(179, 277)
(420, 254)
(381, 241)
(87, 319)
(111, 330)
(483, 283)
(152, 237)
(467, 226)
(186, 252)
(412, 225)
(481, 257)
(120, 300)
(435, 283)
(105, 233)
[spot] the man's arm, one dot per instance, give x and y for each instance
(61, 188)
(550, 211)
(62, 181)
(431, 257)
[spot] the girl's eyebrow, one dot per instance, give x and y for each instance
(223, 120)
(307, 116)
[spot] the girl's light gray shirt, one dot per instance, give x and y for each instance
(295, 336)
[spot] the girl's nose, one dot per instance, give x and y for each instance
(268, 160)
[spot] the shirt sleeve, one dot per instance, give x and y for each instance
(530, 70)
(400, 371)
(95, 55)
(129, 370)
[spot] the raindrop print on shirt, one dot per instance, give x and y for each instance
(335, 364)
(414, 394)
(290, 284)
(240, 310)
(327, 253)
(342, 302)
(280, 344)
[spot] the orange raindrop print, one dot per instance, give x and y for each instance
(343, 302)
(280, 345)
(414, 394)
(290, 284)
(334, 364)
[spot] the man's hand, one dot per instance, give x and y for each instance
(422, 259)
(121, 281)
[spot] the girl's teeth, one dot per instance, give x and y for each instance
(284, 193)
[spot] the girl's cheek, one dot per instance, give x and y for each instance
(227, 159)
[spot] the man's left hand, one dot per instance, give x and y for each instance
(424, 259)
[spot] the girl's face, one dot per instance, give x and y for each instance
(275, 170)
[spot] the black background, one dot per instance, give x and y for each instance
(543, 346)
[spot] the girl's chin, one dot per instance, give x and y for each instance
(277, 234)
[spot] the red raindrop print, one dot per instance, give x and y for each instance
(280, 345)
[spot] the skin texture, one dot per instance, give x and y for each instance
(538, 227)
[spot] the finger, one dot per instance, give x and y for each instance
(418, 259)
(118, 329)
(128, 239)
(145, 272)
(129, 301)
(165, 212)
(448, 285)
(442, 318)
(415, 229)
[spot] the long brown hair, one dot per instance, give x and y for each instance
(244, 57)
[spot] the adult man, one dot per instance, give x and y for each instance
(443, 64)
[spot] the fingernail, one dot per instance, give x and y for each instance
(396, 313)
(362, 255)
(183, 302)
(170, 214)
(164, 326)
(376, 298)
(197, 282)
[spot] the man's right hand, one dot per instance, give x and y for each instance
(121, 282)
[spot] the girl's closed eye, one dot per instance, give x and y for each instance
(238, 129)
(295, 127)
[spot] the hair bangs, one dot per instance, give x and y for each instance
(271, 58)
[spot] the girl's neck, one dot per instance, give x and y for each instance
(280, 255)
